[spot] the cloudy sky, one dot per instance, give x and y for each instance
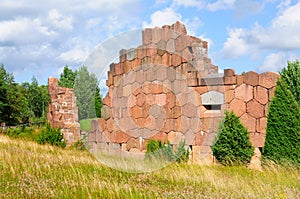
(39, 38)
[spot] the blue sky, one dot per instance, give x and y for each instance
(39, 38)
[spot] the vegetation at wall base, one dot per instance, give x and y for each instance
(232, 145)
(40, 134)
(159, 150)
(282, 143)
(51, 136)
(30, 170)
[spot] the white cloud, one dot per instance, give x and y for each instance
(282, 34)
(189, 3)
(23, 31)
(76, 54)
(221, 5)
(236, 45)
(59, 21)
(276, 61)
(163, 17)
(36, 35)
(193, 25)
(273, 62)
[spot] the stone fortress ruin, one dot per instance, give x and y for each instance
(167, 89)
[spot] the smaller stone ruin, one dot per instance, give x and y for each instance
(63, 111)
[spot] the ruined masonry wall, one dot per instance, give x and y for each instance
(165, 89)
(63, 111)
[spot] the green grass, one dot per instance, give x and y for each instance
(30, 170)
(86, 124)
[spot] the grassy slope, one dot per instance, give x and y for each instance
(86, 124)
(29, 170)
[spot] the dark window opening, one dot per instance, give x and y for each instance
(213, 107)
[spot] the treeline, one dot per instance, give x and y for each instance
(21, 103)
(28, 102)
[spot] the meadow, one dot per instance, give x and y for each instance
(30, 170)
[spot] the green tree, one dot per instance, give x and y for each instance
(4, 86)
(232, 145)
(98, 102)
(37, 97)
(67, 78)
(85, 88)
(13, 104)
(283, 127)
(291, 75)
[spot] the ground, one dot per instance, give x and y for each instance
(30, 170)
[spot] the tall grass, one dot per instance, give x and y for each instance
(30, 170)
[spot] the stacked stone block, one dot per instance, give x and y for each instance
(63, 111)
(167, 89)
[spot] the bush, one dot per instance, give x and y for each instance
(283, 128)
(232, 145)
(158, 150)
(24, 132)
(51, 136)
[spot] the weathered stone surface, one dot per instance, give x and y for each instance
(261, 95)
(166, 59)
(244, 92)
(179, 28)
(182, 42)
(201, 89)
(160, 136)
(229, 72)
(251, 78)
(261, 125)
(147, 36)
(175, 60)
(229, 95)
(190, 110)
(119, 137)
(249, 122)
(131, 54)
(255, 162)
(239, 80)
(175, 137)
(271, 93)
(255, 109)
(199, 138)
(230, 80)
(268, 79)
(238, 107)
(257, 139)
(170, 46)
(105, 112)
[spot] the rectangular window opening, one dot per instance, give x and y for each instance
(215, 107)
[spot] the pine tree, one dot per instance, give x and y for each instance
(291, 75)
(283, 127)
(232, 145)
(84, 88)
(67, 78)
